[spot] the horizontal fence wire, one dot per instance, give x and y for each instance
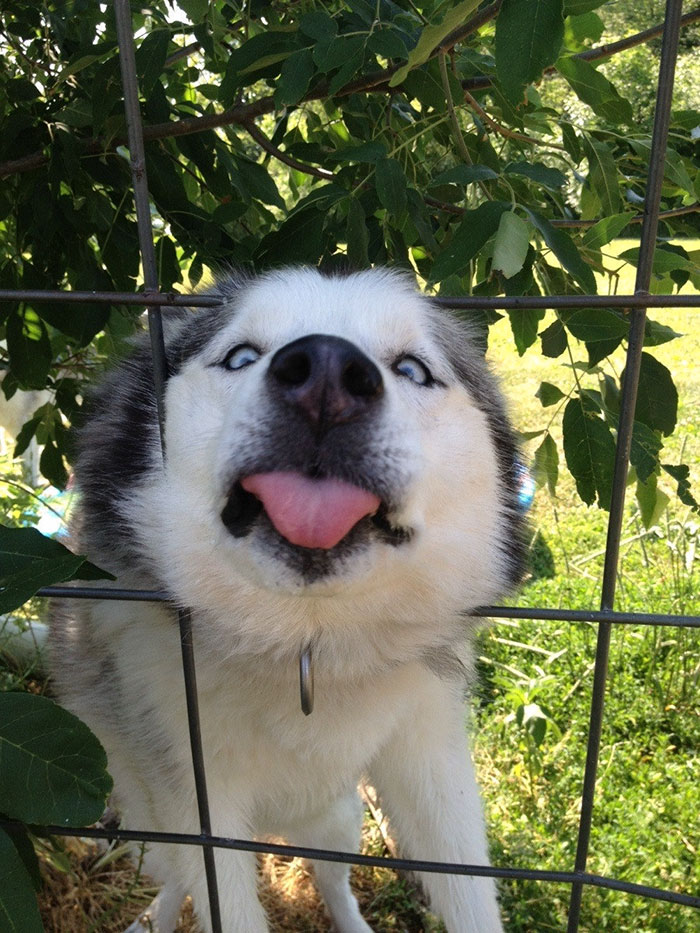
(372, 861)
(460, 302)
(605, 617)
(490, 612)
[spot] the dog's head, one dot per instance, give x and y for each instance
(328, 436)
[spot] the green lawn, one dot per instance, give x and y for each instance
(645, 819)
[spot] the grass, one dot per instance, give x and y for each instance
(648, 793)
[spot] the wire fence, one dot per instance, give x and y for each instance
(605, 617)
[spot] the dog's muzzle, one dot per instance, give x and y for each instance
(310, 484)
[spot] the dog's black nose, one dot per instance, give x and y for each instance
(328, 379)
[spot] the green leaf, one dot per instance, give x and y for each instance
(546, 467)
(589, 449)
(260, 52)
(541, 174)
(169, 270)
(601, 329)
(52, 768)
(371, 152)
(25, 849)
(675, 172)
(602, 174)
(72, 68)
(391, 186)
(664, 260)
(528, 39)
(549, 394)
(388, 43)
(657, 396)
(591, 324)
(463, 175)
(81, 321)
(606, 230)
(425, 85)
(357, 235)
(28, 561)
(25, 435)
(431, 37)
(577, 7)
(298, 239)
(523, 324)
(580, 28)
(681, 474)
(78, 113)
(644, 453)
(259, 183)
(294, 78)
(352, 57)
(317, 24)
(610, 394)
(19, 911)
(150, 59)
(52, 466)
(334, 51)
(29, 348)
(594, 89)
(652, 501)
(418, 213)
(510, 247)
(475, 228)
(196, 9)
(566, 252)
(655, 333)
(553, 339)
(571, 142)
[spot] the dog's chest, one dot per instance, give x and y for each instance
(260, 742)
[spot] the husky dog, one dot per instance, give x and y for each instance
(339, 483)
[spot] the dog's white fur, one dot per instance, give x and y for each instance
(386, 621)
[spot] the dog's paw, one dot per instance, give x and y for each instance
(161, 915)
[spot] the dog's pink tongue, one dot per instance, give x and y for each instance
(315, 513)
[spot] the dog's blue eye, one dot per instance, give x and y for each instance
(240, 356)
(413, 369)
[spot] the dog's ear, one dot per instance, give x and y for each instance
(338, 265)
(229, 280)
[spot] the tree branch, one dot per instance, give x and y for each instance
(243, 114)
(600, 51)
(565, 221)
(276, 153)
(503, 130)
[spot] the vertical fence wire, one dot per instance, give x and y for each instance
(127, 57)
(652, 202)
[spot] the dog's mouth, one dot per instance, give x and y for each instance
(307, 512)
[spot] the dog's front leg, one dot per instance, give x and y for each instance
(425, 779)
(336, 827)
(236, 873)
